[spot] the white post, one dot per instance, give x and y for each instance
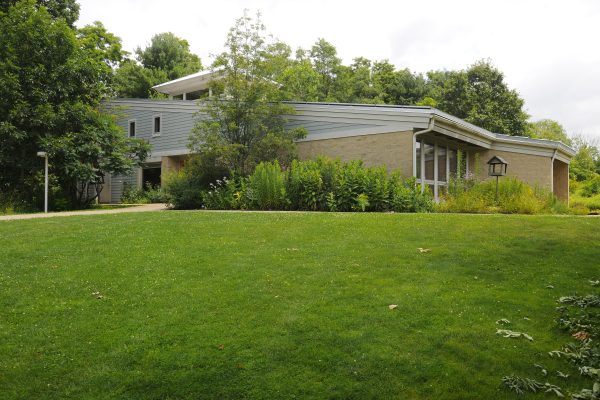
(46, 184)
(45, 155)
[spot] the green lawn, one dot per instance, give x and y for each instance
(201, 305)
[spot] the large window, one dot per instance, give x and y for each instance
(436, 163)
(453, 159)
(441, 159)
(429, 161)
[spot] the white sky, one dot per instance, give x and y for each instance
(548, 50)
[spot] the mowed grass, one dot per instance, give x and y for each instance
(210, 305)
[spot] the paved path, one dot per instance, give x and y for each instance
(141, 208)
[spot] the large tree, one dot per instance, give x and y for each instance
(243, 123)
(65, 9)
(166, 57)
(50, 89)
(547, 129)
(479, 95)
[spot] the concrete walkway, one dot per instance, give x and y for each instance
(140, 208)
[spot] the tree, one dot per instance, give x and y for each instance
(479, 95)
(104, 47)
(299, 82)
(167, 57)
(170, 54)
(243, 123)
(547, 129)
(586, 162)
(323, 56)
(50, 90)
(65, 9)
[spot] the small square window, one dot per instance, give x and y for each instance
(131, 128)
(157, 125)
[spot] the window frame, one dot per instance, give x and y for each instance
(435, 182)
(134, 122)
(160, 125)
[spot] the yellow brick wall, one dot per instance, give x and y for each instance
(534, 170)
(393, 150)
(561, 180)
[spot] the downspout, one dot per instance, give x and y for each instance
(414, 148)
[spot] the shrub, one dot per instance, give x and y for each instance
(225, 194)
(183, 191)
(406, 196)
(184, 188)
(319, 185)
(305, 186)
(133, 195)
(514, 197)
(591, 187)
(266, 187)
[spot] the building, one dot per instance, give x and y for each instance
(419, 141)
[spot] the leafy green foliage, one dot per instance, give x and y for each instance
(149, 194)
(320, 185)
(67, 10)
(166, 52)
(586, 163)
(580, 317)
(266, 187)
(166, 57)
(184, 187)
(521, 385)
(243, 123)
(479, 95)
(548, 129)
(51, 83)
(592, 186)
(514, 197)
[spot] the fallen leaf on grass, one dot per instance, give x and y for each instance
(292, 249)
(562, 375)
(543, 370)
(393, 306)
(503, 321)
(422, 250)
(98, 295)
(221, 347)
(549, 286)
(581, 335)
(513, 334)
(595, 283)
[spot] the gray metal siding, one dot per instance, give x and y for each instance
(116, 186)
(175, 127)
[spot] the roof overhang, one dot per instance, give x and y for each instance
(188, 84)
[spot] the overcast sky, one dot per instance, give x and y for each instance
(548, 50)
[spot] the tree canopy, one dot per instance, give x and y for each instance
(51, 84)
(65, 9)
(166, 57)
(243, 123)
(548, 129)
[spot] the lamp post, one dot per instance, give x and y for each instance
(45, 155)
(497, 168)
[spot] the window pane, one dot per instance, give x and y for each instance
(418, 160)
(442, 164)
(156, 124)
(132, 128)
(452, 156)
(429, 161)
